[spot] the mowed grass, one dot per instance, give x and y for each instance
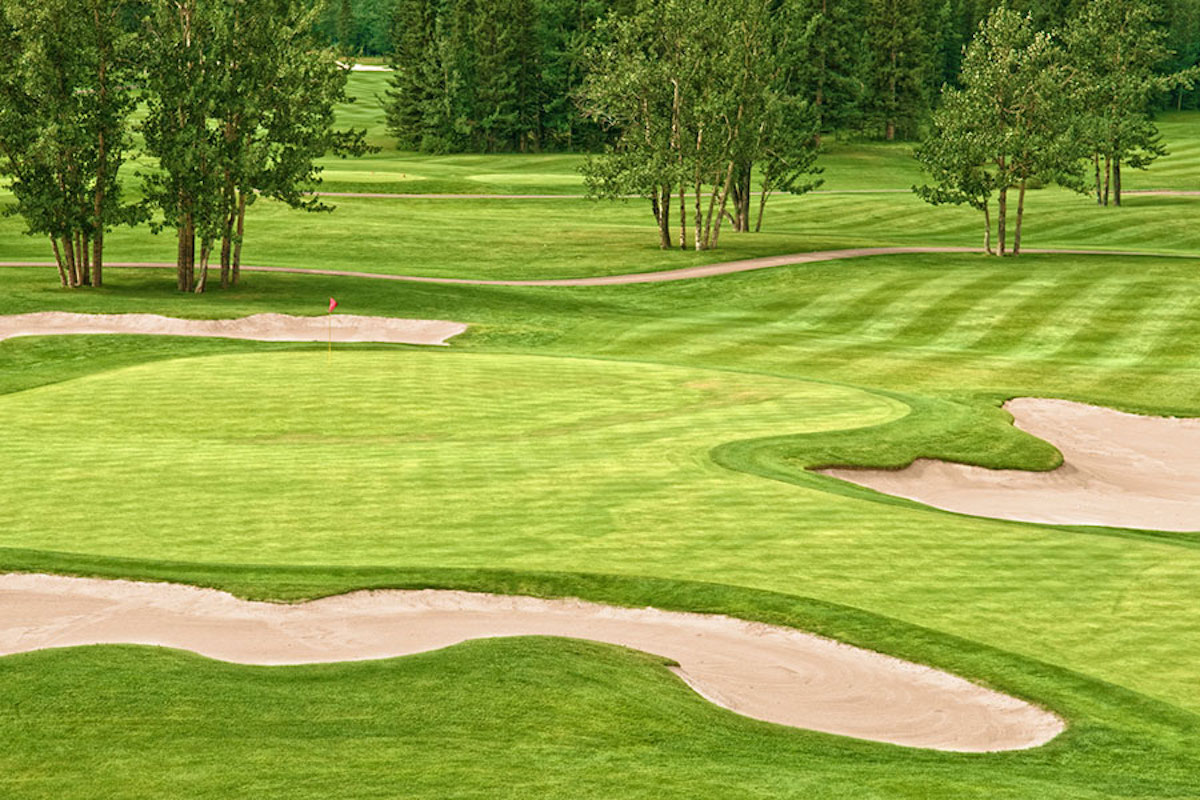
(849, 163)
(507, 718)
(947, 336)
(532, 239)
(404, 458)
(562, 457)
(636, 445)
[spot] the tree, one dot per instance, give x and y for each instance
(899, 67)
(697, 94)
(239, 104)
(1008, 126)
(1181, 21)
(409, 88)
(65, 102)
(955, 156)
(506, 101)
(834, 49)
(279, 114)
(1115, 48)
(345, 28)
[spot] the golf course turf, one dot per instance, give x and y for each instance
(633, 445)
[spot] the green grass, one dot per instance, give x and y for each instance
(634, 445)
(848, 164)
(527, 239)
(389, 458)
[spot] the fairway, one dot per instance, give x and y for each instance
(391, 537)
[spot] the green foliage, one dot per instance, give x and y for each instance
(898, 68)
(1010, 124)
(697, 95)
(1116, 50)
(66, 76)
(240, 103)
(490, 77)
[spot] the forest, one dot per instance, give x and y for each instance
(505, 75)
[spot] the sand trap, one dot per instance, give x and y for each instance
(261, 327)
(1120, 470)
(769, 673)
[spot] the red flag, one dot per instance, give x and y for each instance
(332, 305)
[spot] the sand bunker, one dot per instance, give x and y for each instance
(1120, 470)
(769, 673)
(262, 327)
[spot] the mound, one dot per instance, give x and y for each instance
(1119, 470)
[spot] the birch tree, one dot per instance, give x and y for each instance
(66, 70)
(1008, 126)
(1116, 47)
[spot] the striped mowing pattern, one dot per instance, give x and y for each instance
(1043, 324)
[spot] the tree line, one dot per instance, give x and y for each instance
(505, 74)
(1069, 106)
(492, 75)
(235, 101)
(706, 101)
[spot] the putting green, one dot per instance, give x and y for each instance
(400, 457)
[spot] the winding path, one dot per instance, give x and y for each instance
(770, 673)
(484, 196)
(662, 276)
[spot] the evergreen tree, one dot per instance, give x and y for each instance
(834, 49)
(409, 90)
(1181, 22)
(345, 28)
(899, 69)
(505, 97)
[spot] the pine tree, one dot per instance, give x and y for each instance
(409, 91)
(834, 51)
(899, 68)
(345, 28)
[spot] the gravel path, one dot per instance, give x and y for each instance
(685, 273)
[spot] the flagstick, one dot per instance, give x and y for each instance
(330, 358)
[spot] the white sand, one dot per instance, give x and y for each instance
(1120, 470)
(261, 327)
(770, 673)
